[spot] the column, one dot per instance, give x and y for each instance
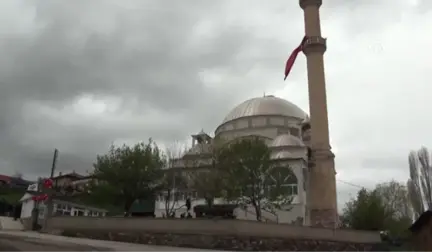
(322, 200)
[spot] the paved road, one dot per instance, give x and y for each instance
(19, 244)
(35, 242)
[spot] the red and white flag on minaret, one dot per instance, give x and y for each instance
(292, 57)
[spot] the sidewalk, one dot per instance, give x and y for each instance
(8, 223)
(108, 245)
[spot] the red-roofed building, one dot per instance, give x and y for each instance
(5, 180)
(14, 182)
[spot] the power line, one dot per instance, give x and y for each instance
(351, 184)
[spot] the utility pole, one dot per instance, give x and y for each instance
(54, 163)
(51, 192)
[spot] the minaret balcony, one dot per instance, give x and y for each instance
(315, 44)
(306, 3)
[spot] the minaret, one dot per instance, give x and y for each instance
(322, 202)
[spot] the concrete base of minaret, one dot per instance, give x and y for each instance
(322, 202)
(326, 218)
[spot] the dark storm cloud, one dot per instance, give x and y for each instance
(148, 52)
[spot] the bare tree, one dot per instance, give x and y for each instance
(394, 196)
(173, 179)
(204, 177)
(420, 182)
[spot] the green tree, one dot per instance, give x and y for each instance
(126, 174)
(208, 184)
(386, 208)
(251, 178)
(366, 212)
(420, 182)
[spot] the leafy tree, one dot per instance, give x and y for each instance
(208, 183)
(126, 174)
(251, 178)
(366, 212)
(386, 208)
(420, 182)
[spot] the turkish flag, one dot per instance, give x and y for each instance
(293, 57)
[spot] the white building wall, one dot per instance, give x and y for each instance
(28, 204)
(282, 216)
(27, 208)
(297, 209)
(270, 132)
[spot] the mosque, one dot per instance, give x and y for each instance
(302, 142)
(285, 129)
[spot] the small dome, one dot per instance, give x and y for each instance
(306, 120)
(282, 155)
(286, 140)
(267, 105)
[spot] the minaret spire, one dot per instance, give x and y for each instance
(322, 199)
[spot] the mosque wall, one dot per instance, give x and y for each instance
(260, 122)
(298, 167)
(264, 132)
(279, 121)
(291, 214)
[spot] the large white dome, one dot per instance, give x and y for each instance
(267, 105)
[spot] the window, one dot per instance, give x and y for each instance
(283, 131)
(179, 195)
(284, 179)
(192, 195)
(295, 132)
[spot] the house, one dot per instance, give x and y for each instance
(4, 180)
(422, 232)
(14, 182)
(61, 207)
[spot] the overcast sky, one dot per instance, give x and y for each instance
(79, 75)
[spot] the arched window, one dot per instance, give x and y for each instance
(281, 181)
